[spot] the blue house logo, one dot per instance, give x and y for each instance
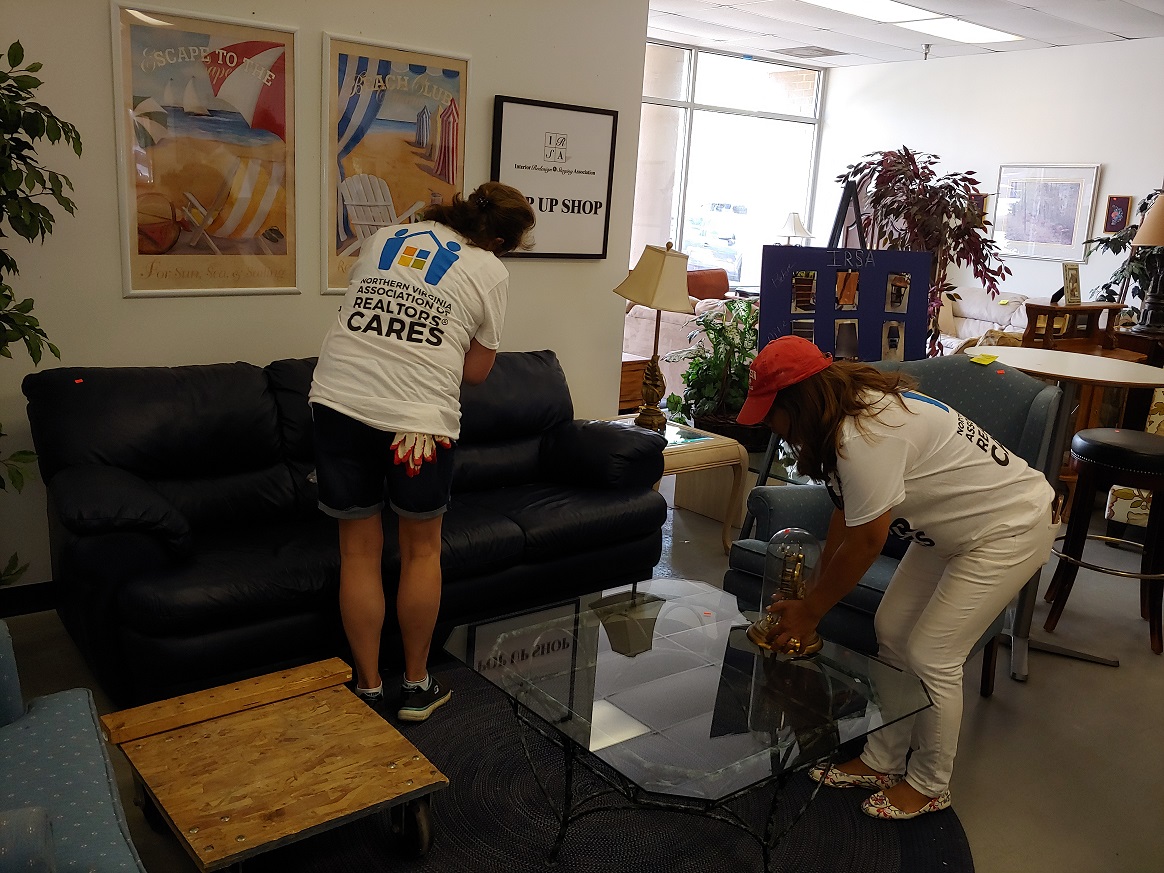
(429, 256)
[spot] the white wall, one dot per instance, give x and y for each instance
(543, 49)
(1092, 104)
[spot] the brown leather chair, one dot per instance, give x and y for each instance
(709, 284)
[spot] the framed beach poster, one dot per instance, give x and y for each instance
(206, 154)
(1043, 211)
(394, 142)
(561, 157)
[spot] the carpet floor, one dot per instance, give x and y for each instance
(493, 818)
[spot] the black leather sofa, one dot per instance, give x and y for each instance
(188, 549)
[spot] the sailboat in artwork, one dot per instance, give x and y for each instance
(169, 94)
(192, 104)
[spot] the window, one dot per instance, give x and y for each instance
(726, 150)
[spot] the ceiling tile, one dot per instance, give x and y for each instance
(1114, 16)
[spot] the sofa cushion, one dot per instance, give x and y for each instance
(290, 381)
(26, 840)
(526, 393)
(201, 420)
(558, 520)
(479, 467)
(238, 575)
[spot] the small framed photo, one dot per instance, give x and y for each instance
(1117, 213)
(1071, 293)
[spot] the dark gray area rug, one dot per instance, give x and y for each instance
(493, 818)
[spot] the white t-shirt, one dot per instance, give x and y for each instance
(949, 483)
(395, 356)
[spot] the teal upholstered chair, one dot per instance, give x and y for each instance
(59, 807)
(1016, 409)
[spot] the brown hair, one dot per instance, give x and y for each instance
(818, 406)
(495, 217)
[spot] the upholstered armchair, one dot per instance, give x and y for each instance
(1016, 409)
(59, 806)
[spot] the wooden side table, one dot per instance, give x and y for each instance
(630, 389)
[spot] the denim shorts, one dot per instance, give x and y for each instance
(355, 469)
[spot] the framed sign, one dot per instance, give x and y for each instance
(206, 154)
(394, 135)
(561, 157)
(1043, 211)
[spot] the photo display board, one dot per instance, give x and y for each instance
(858, 304)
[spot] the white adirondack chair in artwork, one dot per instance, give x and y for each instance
(367, 204)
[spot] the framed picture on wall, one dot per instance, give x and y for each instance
(561, 157)
(205, 139)
(1072, 295)
(1117, 213)
(1043, 211)
(394, 142)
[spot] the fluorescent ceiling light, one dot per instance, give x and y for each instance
(877, 10)
(960, 31)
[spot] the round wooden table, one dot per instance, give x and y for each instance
(1071, 370)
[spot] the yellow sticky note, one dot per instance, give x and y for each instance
(984, 359)
(1003, 302)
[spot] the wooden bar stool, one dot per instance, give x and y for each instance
(1101, 457)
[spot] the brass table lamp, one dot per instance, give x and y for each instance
(659, 281)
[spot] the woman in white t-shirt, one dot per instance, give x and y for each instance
(979, 523)
(423, 312)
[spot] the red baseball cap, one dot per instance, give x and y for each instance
(785, 361)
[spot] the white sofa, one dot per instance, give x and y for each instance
(968, 313)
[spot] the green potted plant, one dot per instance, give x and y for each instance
(906, 205)
(1142, 265)
(24, 183)
(715, 384)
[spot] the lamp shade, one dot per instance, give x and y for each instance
(793, 227)
(1151, 232)
(659, 280)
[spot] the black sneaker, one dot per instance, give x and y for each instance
(374, 699)
(416, 704)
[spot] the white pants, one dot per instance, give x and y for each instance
(933, 612)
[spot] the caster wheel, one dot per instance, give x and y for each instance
(153, 815)
(412, 826)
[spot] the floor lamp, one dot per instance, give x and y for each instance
(1151, 233)
(659, 281)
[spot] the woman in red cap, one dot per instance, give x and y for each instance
(979, 524)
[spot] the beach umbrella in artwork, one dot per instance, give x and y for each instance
(446, 159)
(149, 121)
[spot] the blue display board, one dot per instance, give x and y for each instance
(859, 304)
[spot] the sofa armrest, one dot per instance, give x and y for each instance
(602, 454)
(26, 840)
(95, 499)
(776, 507)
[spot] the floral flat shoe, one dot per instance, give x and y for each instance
(834, 778)
(878, 806)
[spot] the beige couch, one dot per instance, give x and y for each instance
(968, 313)
(638, 336)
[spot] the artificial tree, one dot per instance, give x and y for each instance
(1142, 265)
(906, 205)
(23, 183)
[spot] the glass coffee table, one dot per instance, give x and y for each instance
(655, 689)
